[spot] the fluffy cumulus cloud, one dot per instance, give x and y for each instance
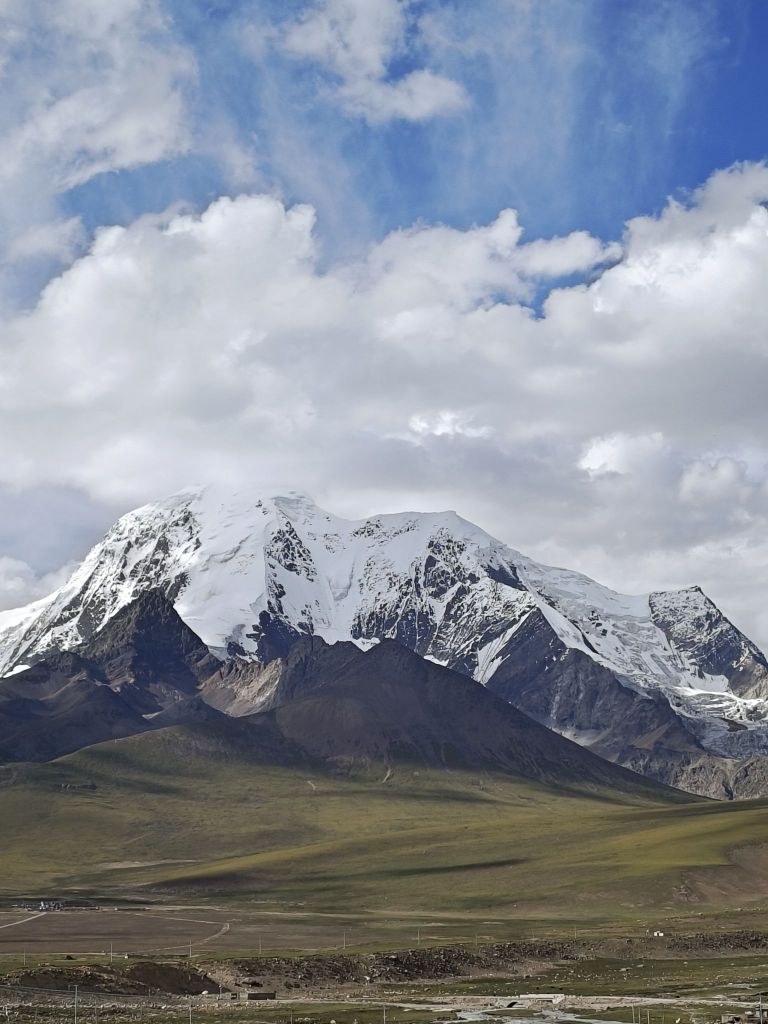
(619, 427)
(357, 42)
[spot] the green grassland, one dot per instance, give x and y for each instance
(168, 816)
(688, 978)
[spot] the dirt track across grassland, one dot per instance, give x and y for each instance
(170, 930)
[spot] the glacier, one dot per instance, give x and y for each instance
(249, 575)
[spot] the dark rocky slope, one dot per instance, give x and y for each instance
(331, 704)
(142, 671)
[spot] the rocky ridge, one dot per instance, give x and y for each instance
(663, 683)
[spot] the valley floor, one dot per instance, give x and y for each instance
(165, 818)
(577, 986)
(444, 894)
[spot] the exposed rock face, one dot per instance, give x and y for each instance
(142, 671)
(389, 705)
(657, 682)
(567, 690)
(147, 653)
(330, 704)
(712, 643)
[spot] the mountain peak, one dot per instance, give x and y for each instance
(250, 575)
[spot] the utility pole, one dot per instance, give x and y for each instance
(190, 949)
(418, 936)
(110, 952)
(345, 939)
(75, 1004)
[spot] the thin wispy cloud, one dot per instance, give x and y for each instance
(357, 42)
(88, 88)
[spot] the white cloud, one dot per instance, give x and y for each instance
(417, 96)
(621, 429)
(620, 453)
(58, 239)
(447, 424)
(357, 40)
(711, 482)
(106, 93)
(20, 584)
(88, 87)
(442, 267)
(559, 257)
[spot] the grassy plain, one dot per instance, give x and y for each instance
(157, 817)
(640, 976)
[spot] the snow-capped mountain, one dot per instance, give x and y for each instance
(626, 675)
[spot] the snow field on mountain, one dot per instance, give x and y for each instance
(433, 580)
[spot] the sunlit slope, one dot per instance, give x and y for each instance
(173, 812)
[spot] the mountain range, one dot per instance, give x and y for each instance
(241, 612)
(332, 705)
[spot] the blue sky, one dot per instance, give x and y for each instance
(581, 115)
(502, 256)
